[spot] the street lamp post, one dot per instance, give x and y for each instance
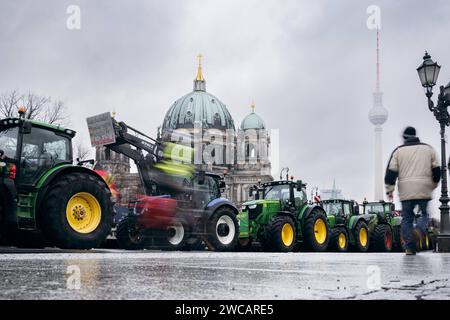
(428, 73)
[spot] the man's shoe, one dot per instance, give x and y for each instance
(410, 252)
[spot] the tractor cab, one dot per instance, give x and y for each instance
(292, 195)
(384, 210)
(340, 209)
(206, 188)
(31, 148)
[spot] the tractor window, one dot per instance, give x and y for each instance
(334, 209)
(347, 209)
(41, 150)
(206, 192)
(374, 208)
(8, 141)
(299, 197)
(279, 192)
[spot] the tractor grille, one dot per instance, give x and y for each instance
(255, 212)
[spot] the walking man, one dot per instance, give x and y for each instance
(415, 166)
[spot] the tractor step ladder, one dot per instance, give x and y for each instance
(25, 212)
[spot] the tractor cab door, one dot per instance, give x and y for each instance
(41, 150)
(347, 209)
(205, 192)
(299, 198)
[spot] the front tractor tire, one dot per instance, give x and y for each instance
(174, 238)
(77, 212)
(361, 235)
(280, 235)
(222, 230)
(316, 231)
(339, 240)
(382, 238)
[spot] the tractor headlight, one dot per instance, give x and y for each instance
(253, 206)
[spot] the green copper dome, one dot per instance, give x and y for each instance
(253, 121)
(198, 106)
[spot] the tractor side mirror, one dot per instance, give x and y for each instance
(250, 192)
(299, 185)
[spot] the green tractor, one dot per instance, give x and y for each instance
(349, 228)
(280, 219)
(384, 226)
(45, 200)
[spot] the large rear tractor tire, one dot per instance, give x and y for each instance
(222, 230)
(361, 235)
(280, 235)
(77, 212)
(339, 240)
(381, 239)
(129, 236)
(316, 232)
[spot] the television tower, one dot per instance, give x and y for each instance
(378, 115)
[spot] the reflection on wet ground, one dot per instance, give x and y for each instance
(115, 274)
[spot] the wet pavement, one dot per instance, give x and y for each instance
(115, 274)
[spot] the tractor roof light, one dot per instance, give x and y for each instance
(22, 110)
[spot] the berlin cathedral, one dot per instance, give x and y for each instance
(249, 163)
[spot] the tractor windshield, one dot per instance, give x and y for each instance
(333, 208)
(277, 192)
(374, 208)
(8, 141)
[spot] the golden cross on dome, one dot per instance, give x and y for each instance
(253, 106)
(199, 71)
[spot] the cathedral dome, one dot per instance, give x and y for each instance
(253, 121)
(198, 106)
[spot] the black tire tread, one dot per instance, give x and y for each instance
(211, 230)
(272, 242)
(56, 198)
(377, 238)
(309, 240)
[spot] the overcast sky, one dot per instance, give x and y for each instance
(308, 65)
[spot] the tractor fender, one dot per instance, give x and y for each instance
(216, 204)
(308, 211)
(288, 214)
(59, 171)
(355, 219)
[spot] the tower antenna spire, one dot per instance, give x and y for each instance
(378, 60)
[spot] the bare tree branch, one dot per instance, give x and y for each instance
(56, 113)
(82, 152)
(9, 102)
(37, 107)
